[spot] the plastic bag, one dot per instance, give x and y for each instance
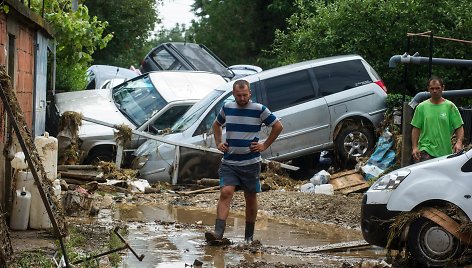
(322, 177)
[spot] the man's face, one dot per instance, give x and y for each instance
(435, 89)
(242, 95)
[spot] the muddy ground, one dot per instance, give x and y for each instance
(283, 203)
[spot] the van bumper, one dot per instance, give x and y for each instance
(375, 223)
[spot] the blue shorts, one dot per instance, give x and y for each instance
(243, 177)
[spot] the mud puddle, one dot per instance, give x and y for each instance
(171, 236)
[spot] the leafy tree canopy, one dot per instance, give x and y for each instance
(239, 30)
(130, 22)
(77, 36)
(378, 30)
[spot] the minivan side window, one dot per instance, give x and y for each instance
(207, 123)
(287, 90)
(337, 77)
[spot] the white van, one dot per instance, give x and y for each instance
(324, 104)
(432, 201)
(151, 102)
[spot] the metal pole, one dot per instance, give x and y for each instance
(405, 69)
(430, 53)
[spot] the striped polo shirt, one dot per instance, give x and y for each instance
(243, 125)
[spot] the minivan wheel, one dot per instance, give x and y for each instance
(431, 245)
(354, 141)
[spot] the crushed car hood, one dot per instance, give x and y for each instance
(96, 104)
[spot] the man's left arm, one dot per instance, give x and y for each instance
(274, 133)
(459, 137)
(458, 124)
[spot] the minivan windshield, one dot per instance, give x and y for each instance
(195, 112)
(138, 100)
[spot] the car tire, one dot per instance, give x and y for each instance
(430, 245)
(354, 141)
(105, 155)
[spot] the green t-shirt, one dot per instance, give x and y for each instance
(437, 123)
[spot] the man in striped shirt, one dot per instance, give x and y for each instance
(241, 163)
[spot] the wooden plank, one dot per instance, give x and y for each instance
(199, 190)
(77, 167)
(355, 188)
(83, 176)
(342, 174)
(343, 246)
(350, 180)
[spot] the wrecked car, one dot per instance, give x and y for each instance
(151, 102)
(191, 56)
(324, 104)
(425, 206)
(107, 76)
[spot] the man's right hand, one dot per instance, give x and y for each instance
(223, 147)
(416, 153)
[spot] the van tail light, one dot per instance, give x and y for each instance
(381, 84)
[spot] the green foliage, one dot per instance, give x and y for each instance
(4, 8)
(32, 259)
(395, 100)
(77, 36)
(130, 22)
(239, 30)
(177, 34)
(377, 30)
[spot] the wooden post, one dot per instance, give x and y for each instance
(407, 159)
(119, 155)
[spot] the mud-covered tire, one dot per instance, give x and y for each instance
(105, 155)
(354, 141)
(430, 245)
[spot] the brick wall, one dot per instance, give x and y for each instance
(24, 73)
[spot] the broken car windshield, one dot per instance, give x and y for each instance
(138, 100)
(194, 113)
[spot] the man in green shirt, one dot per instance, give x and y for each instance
(434, 122)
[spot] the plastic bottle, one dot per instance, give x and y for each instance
(57, 188)
(21, 210)
(24, 179)
(18, 162)
(307, 188)
(39, 218)
(324, 189)
(47, 150)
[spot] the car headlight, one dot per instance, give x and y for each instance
(391, 180)
(140, 161)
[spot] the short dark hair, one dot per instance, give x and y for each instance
(435, 78)
(241, 83)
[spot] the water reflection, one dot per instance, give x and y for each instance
(168, 245)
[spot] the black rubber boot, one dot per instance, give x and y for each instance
(218, 233)
(249, 232)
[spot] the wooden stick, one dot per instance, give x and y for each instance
(200, 190)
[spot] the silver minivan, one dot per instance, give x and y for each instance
(324, 104)
(151, 102)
